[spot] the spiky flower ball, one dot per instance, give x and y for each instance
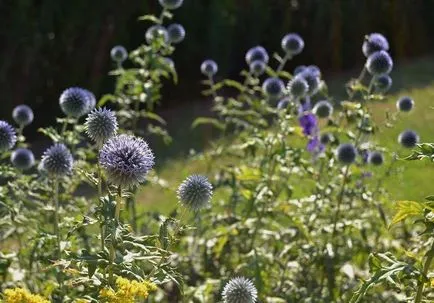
(126, 160)
(405, 104)
(313, 69)
(292, 44)
(209, 68)
(323, 109)
(57, 160)
(257, 53)
(22, 115)
(346, 153)
(373, 43)
(408, 138)
(101, 124)
(298, 87)
(375, 158)
(22, 158)
(8, 136)
(299, 69)
(312, 79)
(273, 87)
(119, 54)
(383, 83)
(195, 192)
(176, 33)
(75, 102)
(257, 67)
(171, 4)
(379, 63)
(325, 138)
(155, 33)
(239, 290)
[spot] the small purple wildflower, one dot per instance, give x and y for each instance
(8, 136)
(309, 123)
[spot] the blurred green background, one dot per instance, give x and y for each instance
(49, 45)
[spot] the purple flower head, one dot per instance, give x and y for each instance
(239, 290)
(176, 33)
(379, 63)
(75, 102)
(257, 67)
(8, 136)
(257, 53)
(23, 158)
(312, 79)
(383, 83)
(305, 105)
(101, 124)
(155, 33)
(299, 69)
(126, 160)
(23, 115)
(57, 160)
(209, 68)
(314, 145)
(119, 54)
(195, 192)
(373, 43)
(309, 123)
(292, 44)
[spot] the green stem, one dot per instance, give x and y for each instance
(283, 62)
(112, 247)
(101, 226)
(56, 217)
(426, 266)
(340, 199)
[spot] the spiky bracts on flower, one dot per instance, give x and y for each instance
(75, 102)
(8, 136)
(195, 192)
(57, 160)
(101, 124)
(239, 290)
(22, 158)
(22, 115)
(209, 68)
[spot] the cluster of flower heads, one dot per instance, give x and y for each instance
(375, 48)
(127, 291)
(20, 295)
(239, 290)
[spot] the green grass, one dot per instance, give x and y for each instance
(414, 182)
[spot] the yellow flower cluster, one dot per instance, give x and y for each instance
(20, 295)
(127, 291)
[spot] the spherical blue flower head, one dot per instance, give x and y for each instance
(257, 67)
(209, 68)
(92, 100)
(312, 80)
(408, 138)
(376, 158)
(373, 43)
(22, 158)
(297, 87)
(119, 54)
(257, 53)
(75, 102)
(101, 124)
(379, 63)
(8, 136)
(314, 145)
(325, 138)
(239, 290)
(323, 109)
(405, 104)
(176, 33)
(57, 160)
(299, 69)
(126, 160)
(283, 103)
(314, 70)
(309, 123)
(171, 4)
(346, 153)
(273, 87)
(292, 44)
(383, 83)
(22, 115)
(156, 32)
(195, 192)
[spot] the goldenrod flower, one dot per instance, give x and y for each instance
(127, 291)
(20, 295)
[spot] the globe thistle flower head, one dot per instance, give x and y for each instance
(313, 69)
(379, 63)
(323, 109)
(273, 87)
(239, 290)
(209, 68)
(171, 4)
(195, 192)
(313, 81)
(176, 33)
(92, 100)
(297, 87)
(22, 115)
(283, 103)
(22, 158)
(101, 124)
(8, 136)
(405, 104)
(375, 158)
(346, 153)
(126, 160)
(325, 138)
(57, 160)
(408, 138)
(309, 123)
(257, 53)
(299, 69)
(383, 83)
(75, 102)
(292, 44)
(373, 43)
(257, 67)
(119, 54)
(155, 33)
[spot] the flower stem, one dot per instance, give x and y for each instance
(112, 248)
(56, 217)
(101, 226)
(283, 62)
(340, 199)
(426, 266)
